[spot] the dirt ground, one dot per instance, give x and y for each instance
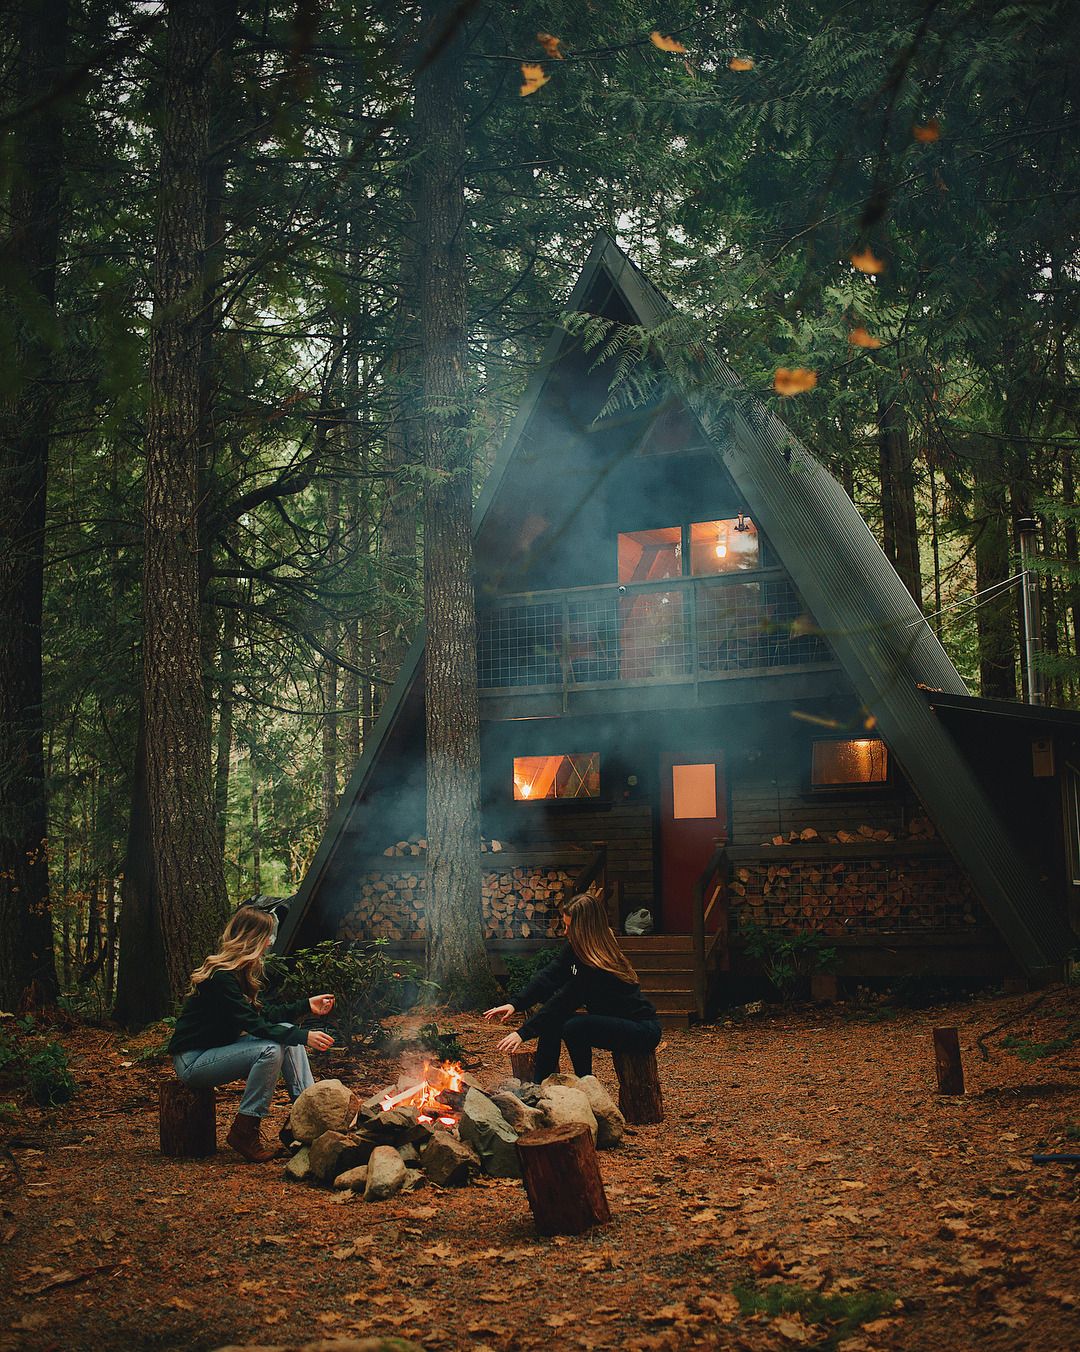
(809, 1187)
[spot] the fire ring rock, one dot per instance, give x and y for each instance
(610, 1123)
(519, 1115)
(386, 1174)
(326, 1106)
(483, 1127)
(448, 1162)
(564, 1106)
(333, 1152)
(352, 1180)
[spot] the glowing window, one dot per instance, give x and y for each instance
(860, 760)
(556, 777)
(646, 555)
(693, 791)
(729, 546)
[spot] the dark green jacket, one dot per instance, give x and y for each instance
(218, 1013)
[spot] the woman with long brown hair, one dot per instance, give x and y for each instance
(591, 971)
(222, 1033)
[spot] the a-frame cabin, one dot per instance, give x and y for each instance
(703, 685)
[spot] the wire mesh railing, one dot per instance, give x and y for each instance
(693, 629)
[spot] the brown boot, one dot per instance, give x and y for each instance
(244, 1137)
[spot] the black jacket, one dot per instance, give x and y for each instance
(567, 984)
(218, 1013)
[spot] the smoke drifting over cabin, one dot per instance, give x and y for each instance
(664, 715)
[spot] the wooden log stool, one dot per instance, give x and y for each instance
(950, 1068)
(523, 1066)
(186, 1120)
(640, 1098)
(562, 1180)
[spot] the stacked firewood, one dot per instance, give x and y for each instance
(417, 845)
(852, 895)
(517, 903)
(919, 828)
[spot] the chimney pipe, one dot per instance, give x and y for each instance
(1029, 587)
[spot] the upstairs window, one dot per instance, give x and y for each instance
(650, 555)
(556, 777)
(727, 546)
(849, 763)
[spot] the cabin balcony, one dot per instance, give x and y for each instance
(689, 640)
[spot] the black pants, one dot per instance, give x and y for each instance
(583, 1032)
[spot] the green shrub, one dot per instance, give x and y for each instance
(367, 981)
(1030, 1051)
(158, 1051)
(446, 1046)
(788, 959)
(36, 1066)
(521, 968)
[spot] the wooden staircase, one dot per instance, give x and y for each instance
(665, 968)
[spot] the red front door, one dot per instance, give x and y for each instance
(693, 817)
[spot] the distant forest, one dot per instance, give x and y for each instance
(275, 276)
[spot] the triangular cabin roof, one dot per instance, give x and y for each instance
(877, 633)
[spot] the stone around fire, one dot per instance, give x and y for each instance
(563, 1106)
(328, 1105)
(447, 1161)
(610, 1123)
(386, 1174)
(333, 1152)
(517, 1114)
(299, 1167)
(483, 1126)
(352, 1179)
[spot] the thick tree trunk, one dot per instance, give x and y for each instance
(456, 956)
(142, 989)
(900, 527)
(993, 558)
(224, 739)
(329, 678)
(187, 863)
(28, 275)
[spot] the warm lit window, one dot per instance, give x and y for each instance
(693, 791)
(646, 555)
(729, 546)
(860, 760)
(556, 776)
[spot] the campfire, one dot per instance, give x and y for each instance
(437, 1095)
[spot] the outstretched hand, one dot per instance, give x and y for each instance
(500, 1013)
(318, 1041)
(321, 1004)
(510, 1043)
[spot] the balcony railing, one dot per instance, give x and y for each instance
(675, 630)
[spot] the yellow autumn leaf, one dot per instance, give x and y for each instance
(550, 45)
(740, 63)
(666, 44)
(865, 261)
(793, 380)
(927, 131)
(534, 78)
(863, 338)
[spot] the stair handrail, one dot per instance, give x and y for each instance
(717, 868)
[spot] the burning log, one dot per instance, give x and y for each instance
(562, 1180)
(186, 1122)
(641, 1100)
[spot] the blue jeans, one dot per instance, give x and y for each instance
(261, 1062)
(583, 1032)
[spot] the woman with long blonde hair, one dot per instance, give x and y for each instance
(223, 1033)
(591, 971)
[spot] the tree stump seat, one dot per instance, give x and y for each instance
(561, 1173)
(187, 1121)
(641, 1100)
(523, 1065)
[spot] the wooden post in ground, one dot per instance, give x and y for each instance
(523, 1065)
(186, 1122)
(562, 1180)
(640, 1098)
(950, 1069)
